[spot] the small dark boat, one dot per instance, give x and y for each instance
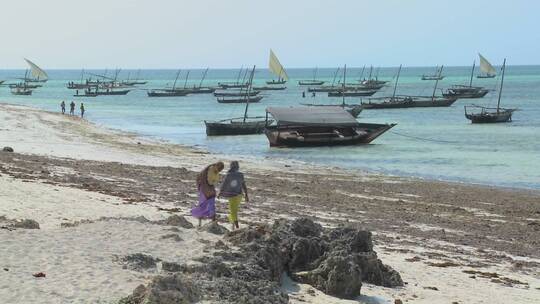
(166, 93)
(238, 126)
(485, 76)
(460, 91)
(323, 89)
(87, 93)
(201, 90)
(21, 91)
(311, 82)
(232, 85)
(235, 126)
(436, 76)
(240, 99)
(173, 92)
(319, 126)
(239, 93)
(112, 92)
(466, 91)
(25, 84)
(2, 81)
(351, 93)
(491, 115)
(274, 82)
(269, 88)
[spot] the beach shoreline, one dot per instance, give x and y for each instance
(419, 225)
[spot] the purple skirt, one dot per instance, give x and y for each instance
(206, 207)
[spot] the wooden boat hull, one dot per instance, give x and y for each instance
(166, 93)
(476, 94)
(276, 82)
(313, 136)
(223, 128)
(310, 82)
(232, 85)
(266, 88)
(235, 94)
(22, 93)
(485, 76)
(201, 90)
(351, 93)
(85, 95)
(252, 99)
(427, 103)
(503, 115)
(432, 77)
(122, 92)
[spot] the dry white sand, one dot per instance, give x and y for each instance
(79, 262)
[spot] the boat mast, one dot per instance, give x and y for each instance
(343, 85)
(436, 83)
(82, 75)
(239, 74)
(335, 75)
(204, 76)
(395, 85)
(138, 72)
(249, 91)
(472, 72)
(500, 89)
(370, 71)
(362, 74)
(177, 74)
(185, 83)
(315, 74)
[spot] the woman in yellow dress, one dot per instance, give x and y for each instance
(234, 189)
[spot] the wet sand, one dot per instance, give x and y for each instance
(442, 237)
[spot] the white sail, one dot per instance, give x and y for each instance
(276, 68)
(486, 67)
(36, 71)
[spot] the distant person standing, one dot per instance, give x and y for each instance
(313, 94)
(304, 94)
(63, 106)
(72, 108)
(82, 110)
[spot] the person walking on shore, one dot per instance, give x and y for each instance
(234, 189)
(206, 182)
(72, 108)
(82, 110)
(63, 107)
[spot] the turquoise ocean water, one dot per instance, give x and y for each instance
(435, 143)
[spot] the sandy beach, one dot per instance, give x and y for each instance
(101, 196)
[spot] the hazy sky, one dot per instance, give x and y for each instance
(230, 33)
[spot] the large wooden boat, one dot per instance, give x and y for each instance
(319, 126)
(488, 71)
(21, 90)
(240, 99)
(407, 101)
(87, 93)
(238, 126)
(112, 92)
(239, 93)
(491, 115)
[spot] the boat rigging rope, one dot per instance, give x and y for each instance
(424, 139)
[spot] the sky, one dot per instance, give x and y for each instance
(62, 34)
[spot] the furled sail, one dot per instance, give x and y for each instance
(276, 68)
(36, 71)
(486, 67)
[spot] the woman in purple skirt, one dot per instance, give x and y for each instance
(206, 182)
